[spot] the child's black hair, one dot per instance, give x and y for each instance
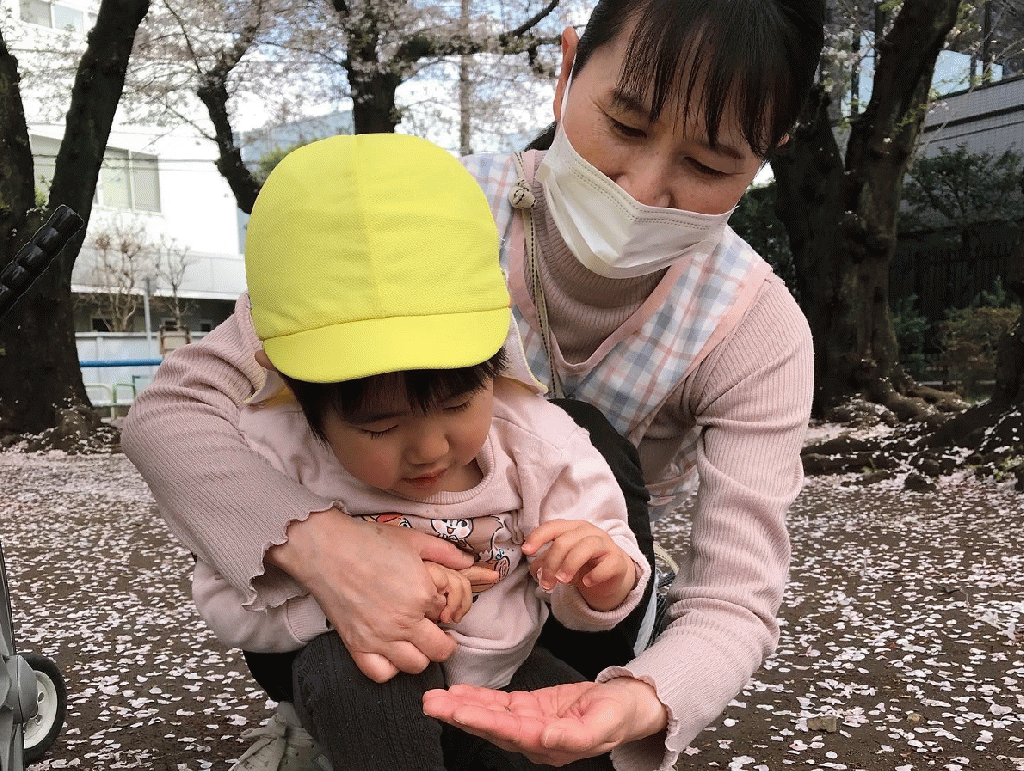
(423, 390)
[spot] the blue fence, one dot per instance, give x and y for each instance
(121, 363)
(119, 390)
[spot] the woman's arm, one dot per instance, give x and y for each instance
(224, 502)
(254, 525)
(752, 399)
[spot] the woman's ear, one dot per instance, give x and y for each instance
(569, 42)
(264, 361)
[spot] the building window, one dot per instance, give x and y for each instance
(205, 326)
(128, 181)
(100, 324)
(57, 16)
(44, 152)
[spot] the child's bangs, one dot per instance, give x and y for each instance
(420, 390)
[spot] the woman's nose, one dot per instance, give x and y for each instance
(647, 181)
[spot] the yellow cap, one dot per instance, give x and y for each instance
(374, 253)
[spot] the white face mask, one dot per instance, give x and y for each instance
(609, 231)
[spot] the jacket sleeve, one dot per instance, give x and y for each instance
(751, 398)
(577, 483)
(224, 501)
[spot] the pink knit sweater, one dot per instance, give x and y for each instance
(750, 396)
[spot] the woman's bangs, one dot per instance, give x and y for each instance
(683, 53)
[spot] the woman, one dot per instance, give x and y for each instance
(653, 310)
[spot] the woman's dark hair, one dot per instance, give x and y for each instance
(424, 389)
(757, 56)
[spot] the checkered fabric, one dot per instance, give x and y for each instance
(632, 381)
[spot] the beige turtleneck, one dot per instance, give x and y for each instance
(583, 307)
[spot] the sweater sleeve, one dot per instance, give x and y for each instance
(225, 502)
(751, 399)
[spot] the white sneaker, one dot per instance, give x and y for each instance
(282, 744)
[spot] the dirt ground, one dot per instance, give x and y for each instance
(902, 646)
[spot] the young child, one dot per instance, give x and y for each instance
(397, 387)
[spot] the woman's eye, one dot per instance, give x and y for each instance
(707, 170)
(626, 130)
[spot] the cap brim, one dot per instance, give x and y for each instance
(359, 349)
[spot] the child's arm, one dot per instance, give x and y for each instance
(575, 484)
(584, 555)
(279, 629)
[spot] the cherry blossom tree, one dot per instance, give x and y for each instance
(40, 379)
(284, 58)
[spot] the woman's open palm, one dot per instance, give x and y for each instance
(554, 725)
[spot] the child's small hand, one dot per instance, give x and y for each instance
(481, 576)
(455, 589)
(584, 555)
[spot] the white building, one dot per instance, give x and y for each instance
(161, 187)
(988, 118)
(158, 187)
(158, 184)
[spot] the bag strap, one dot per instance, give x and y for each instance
(522, 198)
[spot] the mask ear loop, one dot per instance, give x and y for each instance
(522, 199)
(565, 93)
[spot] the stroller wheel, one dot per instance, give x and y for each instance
(52, 696)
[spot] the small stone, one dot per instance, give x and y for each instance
(919, 484)
(827, 723)
(876, 475)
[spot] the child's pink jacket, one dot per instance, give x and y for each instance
(537, 464)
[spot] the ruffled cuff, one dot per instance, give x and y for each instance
(269, 586)
(652, 753)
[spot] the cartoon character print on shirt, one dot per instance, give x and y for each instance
(491, 539)
(457, 531)
(501, 545)
(397, 520)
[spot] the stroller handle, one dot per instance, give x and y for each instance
(35, 256)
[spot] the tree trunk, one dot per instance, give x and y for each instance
(373, 102)
(841, 218)
(39, 369)
(374, 74)
(373, 83)
(214, 94)
(27, 330)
